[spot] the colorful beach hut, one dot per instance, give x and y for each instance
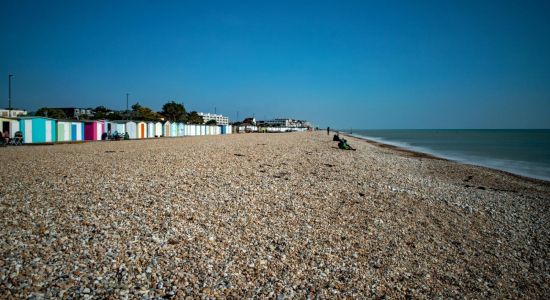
(9, 125)
(166, 128)
(141, 130)
(70, 131)
(174, 129)
(38, 130)
(93, 130)
(181, 129)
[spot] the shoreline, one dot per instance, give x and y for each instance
(418, 154)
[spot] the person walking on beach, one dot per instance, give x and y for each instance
(328, 130)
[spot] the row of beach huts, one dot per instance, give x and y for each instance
(38, 130)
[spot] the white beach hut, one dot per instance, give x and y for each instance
(150, 130)
(131, 129)
(10, 125)
(158, 129)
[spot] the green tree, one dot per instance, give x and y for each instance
(142, 113)
(115, 115)
(173, 111)
(211, 122)
(51, 113)
(100, 113)
(194, 118)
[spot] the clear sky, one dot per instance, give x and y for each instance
(360, 64)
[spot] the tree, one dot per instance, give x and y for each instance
(101, 112)
(51, 113)
(142, 113)
(194, 118)
(174, 111)
(211, 122)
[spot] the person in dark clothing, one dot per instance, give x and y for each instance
(343, 144)
(328, 130)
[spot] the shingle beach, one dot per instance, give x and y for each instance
(265, 216)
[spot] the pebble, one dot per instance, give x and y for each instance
(294, 218)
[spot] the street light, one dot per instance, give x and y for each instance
(9, 92)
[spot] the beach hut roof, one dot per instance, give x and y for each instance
(120, 121)
(9, 118)
(69, 120)
(35, 117)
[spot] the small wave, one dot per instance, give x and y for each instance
(518, 167)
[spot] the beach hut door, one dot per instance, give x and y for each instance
(73, 132)
(142, 130)
(6, 127)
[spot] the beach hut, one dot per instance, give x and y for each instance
(93, 130)
(174, 129)
(203, 129)
(117, 127)
(38, 130)
(131, 128)
(141, 130)
(181, 129)
(158, 129)
(9, 125)
(218, 130)
(70, 131)
(151, 130)
(166, 128)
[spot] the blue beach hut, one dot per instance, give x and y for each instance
(37, 130)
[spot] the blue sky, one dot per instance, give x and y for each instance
(360, 64)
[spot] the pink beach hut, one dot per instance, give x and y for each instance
(93, 130)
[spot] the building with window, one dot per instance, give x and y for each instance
(12, 113)
(220, 120)
(285, 122)
(76, 113)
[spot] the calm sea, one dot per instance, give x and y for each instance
(523, 152)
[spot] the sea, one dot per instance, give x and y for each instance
(524, 152)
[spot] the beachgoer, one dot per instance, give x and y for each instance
(18, 138)
(328, 130)
(343, 144)
(336, 138)
(3, 140)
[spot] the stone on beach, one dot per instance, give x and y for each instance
(265, 215)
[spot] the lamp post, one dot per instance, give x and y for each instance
(127, 112)
(9, 92)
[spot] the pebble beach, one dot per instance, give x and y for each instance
(281, 216)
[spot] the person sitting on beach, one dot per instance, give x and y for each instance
(343, 144)
(18, 138)
(4, 139)
(336, 138)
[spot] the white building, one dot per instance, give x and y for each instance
(284, 122)
(13, 113)
(220, 120)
